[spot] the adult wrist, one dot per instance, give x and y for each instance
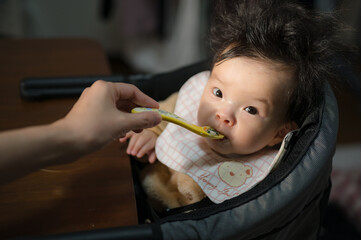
(69, 139)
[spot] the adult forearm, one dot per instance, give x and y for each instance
(26, 150)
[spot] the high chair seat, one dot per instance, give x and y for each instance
(288, 204)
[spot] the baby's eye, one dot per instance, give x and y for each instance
(251, 110)
(217, 92)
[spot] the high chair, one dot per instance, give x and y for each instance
(288, 204)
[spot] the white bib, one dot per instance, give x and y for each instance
(220, 178)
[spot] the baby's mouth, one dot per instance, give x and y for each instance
(222, 139)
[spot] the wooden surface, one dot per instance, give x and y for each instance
(92, 193)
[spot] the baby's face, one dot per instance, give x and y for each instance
(245, 100)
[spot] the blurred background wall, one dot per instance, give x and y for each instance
(148, 35)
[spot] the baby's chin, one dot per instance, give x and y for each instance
(224, 148)
(220, 146)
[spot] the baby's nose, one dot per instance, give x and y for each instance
(226, 119)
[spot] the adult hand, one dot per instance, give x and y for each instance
(102, 113)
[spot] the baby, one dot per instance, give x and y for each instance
(270, 61)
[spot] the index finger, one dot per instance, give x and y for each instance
(125, 91)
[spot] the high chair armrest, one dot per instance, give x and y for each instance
(137, 232)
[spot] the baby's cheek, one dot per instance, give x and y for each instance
(205, 113)
(246, 143)
(200, 115)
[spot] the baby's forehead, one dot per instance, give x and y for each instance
(282, 71)
(272, 64)
(254, 75)
(277, 65)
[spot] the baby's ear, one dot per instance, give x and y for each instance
(286, 128)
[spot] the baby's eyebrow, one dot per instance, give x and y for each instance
(215, 77)
(263, 100)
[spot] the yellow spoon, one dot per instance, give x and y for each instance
(204, 131)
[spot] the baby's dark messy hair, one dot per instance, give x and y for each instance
(281, 31)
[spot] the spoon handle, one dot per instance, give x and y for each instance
(205, 131)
